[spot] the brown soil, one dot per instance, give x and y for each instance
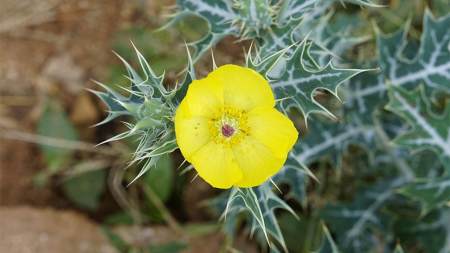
(52, 49)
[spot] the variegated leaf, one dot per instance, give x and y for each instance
(328, 244)
(332, 140)
(220, 16)
(430, 66)
(298, 8)
(432, 193)
(251, 19)
(354, 223)
(299, 83)
(295, 177)
(268, 202)
(428, 130)
(251, 201)
(431, 231)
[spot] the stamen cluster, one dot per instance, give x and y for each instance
(229, 126)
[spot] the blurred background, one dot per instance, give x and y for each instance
(59, 193)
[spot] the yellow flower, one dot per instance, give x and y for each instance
(227, 128)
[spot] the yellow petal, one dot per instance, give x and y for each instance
(192, 134)
(204, 97)
(244, 88)
(256, 161)
(273, 129)
(216, 165)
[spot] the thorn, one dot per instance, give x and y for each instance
(276, 186)
(194, 178)
(214, 61)
(181, 164)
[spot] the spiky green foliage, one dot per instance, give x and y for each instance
(357, 222)
(152, 106)
(428, 130)
(432, 193)
(250, 18)
(328, 244)
(298, 83)
(366, 93)
(332, 140)
(260, 202)
(432, 231)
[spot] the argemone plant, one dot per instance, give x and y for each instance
(308, 57)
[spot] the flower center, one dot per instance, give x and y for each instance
(229, 126)
(227, 130)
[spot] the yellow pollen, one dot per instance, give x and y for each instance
(231, 122)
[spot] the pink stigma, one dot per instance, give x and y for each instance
(227, 130)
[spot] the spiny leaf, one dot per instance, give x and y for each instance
(110, 98)
(328, 244)
(219, 15)
(250, 200)
(332, 140)
(188, 78)
(431, 66)
(431, 231)
(298, 8)
(429, 131)
(297, 179)
(260, 202)
(268, 202)
(277, 38)
(150, 103)
(432, 193)
(254, 15)
(300, 83)
(354, 222)
(264, 19)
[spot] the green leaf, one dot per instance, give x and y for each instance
(54, 123)
(255, 15)
(160, 178)
(432, 193)
(251, 19)
(328, 244)
(278, 38)
(299, 8)
(220, 17)
(430, 66)
(428, 131)
(269, 201)
(295, 177)
(301, 235)
(355, 223)
(85, 189)
(188, 78)
(251, 202)
(299, 83)
(432, 231)
(332, 140)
